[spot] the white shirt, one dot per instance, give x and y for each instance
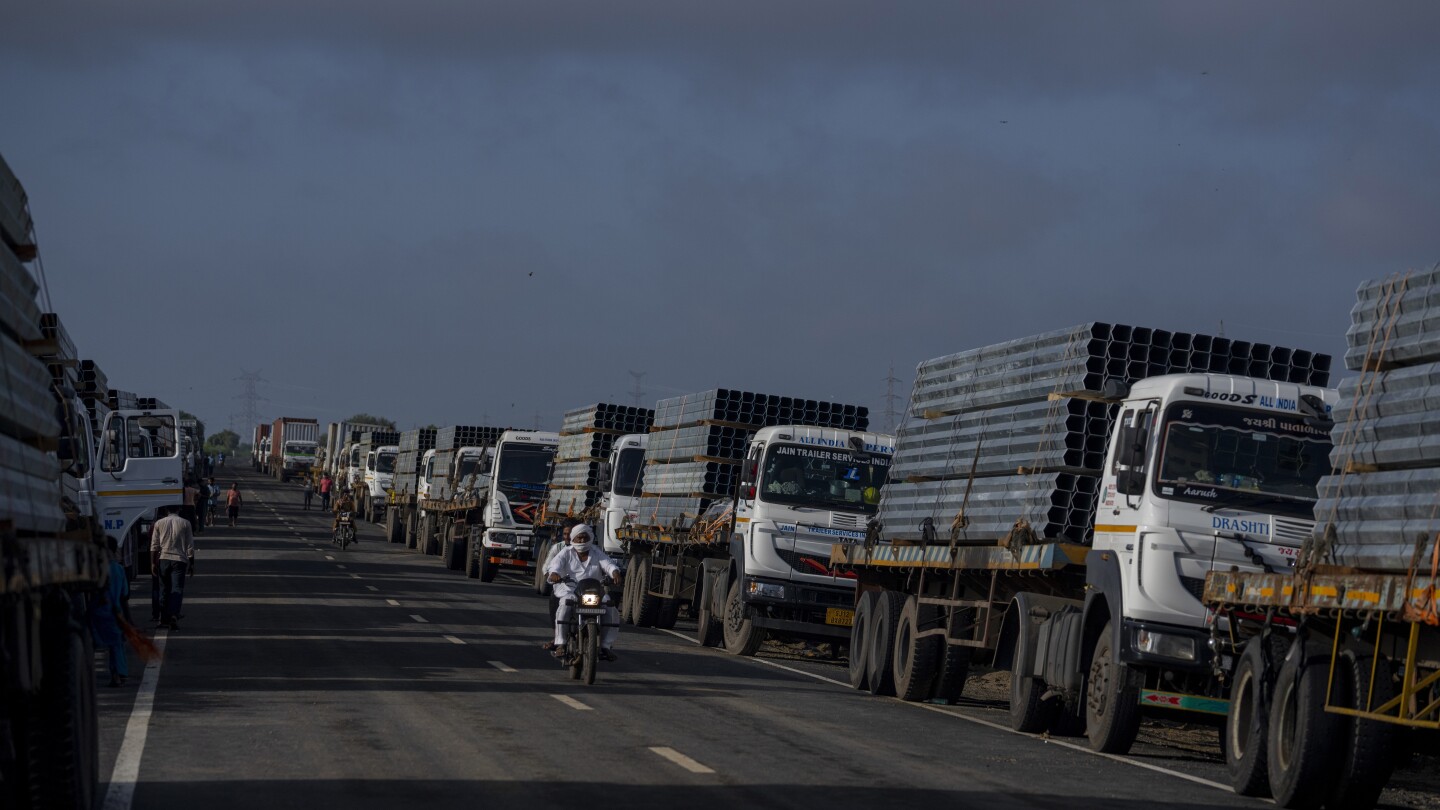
(567, 563)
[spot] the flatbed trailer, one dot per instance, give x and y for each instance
(667, 569)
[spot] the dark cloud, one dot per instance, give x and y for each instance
(437, 210)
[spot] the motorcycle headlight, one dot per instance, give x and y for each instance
(590, 599)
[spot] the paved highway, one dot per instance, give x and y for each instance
(303, 676)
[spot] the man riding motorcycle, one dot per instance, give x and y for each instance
(580, 560)
(345, 504)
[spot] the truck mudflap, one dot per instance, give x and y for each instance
(1039, 557)
(1153, 699)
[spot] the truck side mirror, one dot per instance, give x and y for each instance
(1130, 458)
(603, 476)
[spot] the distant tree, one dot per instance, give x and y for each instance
(370, 419)
(226, 441)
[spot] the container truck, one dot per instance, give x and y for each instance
(1057, 503)
(292, 447)
(53, 523)
(743, 495)
(483, 511)
(259, 452)
(1330, 660)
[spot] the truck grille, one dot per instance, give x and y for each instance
(1292, 531)
(1195, 585)
(843, 521)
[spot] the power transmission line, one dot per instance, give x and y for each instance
(892, 413)
(638, 392)
(250, 399)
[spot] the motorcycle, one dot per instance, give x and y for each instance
(344, 533)
(584, 627)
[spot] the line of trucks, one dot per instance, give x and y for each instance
(1131, 522)
(80, 462)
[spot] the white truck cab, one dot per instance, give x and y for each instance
(139, 471)
(297, 457)
(515, 478)
(1206, 472)
(624, 479)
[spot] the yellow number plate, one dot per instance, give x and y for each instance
(840, 616)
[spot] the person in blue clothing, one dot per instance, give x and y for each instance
(107, 607)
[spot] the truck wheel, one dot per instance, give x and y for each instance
(880, 655)
(1112, 699)
(460, 544)
(915, 659)
(708, 630)
(67, 757)
(627, 593)
(668, 613)
(1369, 746)
(742, 637)
(488, 569)
(1304, 746)
(860, 641)
(448, 551)
(1247, 726)
(955, 662)
(647, 607)
(540, 581)
(472, 562)
(394, 526)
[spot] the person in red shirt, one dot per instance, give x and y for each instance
(326, 484)
(232, 503)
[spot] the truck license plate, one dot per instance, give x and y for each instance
(840, 616)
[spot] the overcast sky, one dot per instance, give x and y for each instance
(458, 211)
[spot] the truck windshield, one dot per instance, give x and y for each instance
(1236, 457)
(385, 463)
(299, 449)
(468, 466)
(525, 463)
(629, 474)
(823, 478)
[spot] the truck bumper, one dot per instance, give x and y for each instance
(816, 611)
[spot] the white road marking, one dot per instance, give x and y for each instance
(502, 666)
(454, 640)
(573, 703)
(127, 765)
(392, 602)
(950, 712)
(419, 618)
(328, 557)
(355, 576)
(371, 587)
(340, 566)
(680, 759)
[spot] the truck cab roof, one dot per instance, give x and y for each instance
(827, 437)
(1253, 392)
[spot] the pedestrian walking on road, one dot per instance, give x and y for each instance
(222, 459)
(309, 493)
(232, 503)
(172, 553)
(214, 501)
(202, 504)
(107, 608)
(326, 484)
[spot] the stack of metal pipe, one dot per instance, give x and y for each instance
(587, 436)
(1380, 509)
(693, 456)
(29, 475)
(413, 444)
(983, 436)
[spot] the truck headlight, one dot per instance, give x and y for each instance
(502, 538)
(765, 590)
(1165, 644)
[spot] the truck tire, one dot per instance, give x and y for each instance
(708, 630)
(880, 655)
(951, 672)
(1368, 755)
(860, 640)
(66, 758)
(542, 585)
(667, 615)
(488, 569)
(412, 530)
(742, 637)
(627, 594)
(394, 526)
(1304, 749)
(454, 552)
(915, 660)
(646, 607)
(1112, 699)
(1247, 726)
(472, 561)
